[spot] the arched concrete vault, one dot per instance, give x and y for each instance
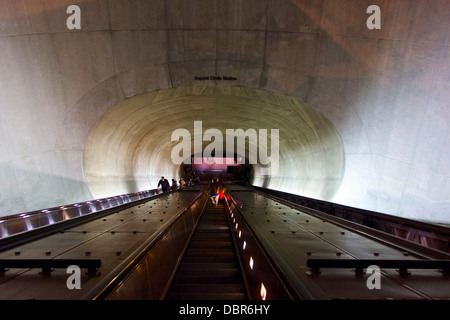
(130, 147)
(385, 91)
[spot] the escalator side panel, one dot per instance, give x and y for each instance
(210, 269)
(149, 278)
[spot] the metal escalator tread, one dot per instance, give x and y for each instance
(210, 268)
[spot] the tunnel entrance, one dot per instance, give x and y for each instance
(231, 170)
(131, 147)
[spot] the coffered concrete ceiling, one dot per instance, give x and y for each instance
(380, 96)
(130, 147)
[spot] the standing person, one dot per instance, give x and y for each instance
(222, 193)
(165, 186)
(174, 184)
(214, 192)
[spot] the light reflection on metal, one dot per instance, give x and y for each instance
(65, 215)
(46, 216)
(50, 219)
(3, 229)
(263, 291)
(28, 223)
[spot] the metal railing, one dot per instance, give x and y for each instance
(360, 264)
(24, 222)
(48, 264)
(427, 234)
(264, 279)
(158, 256)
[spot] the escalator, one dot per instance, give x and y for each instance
(209, 269)
(205, 253)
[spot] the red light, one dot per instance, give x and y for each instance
(263, 291)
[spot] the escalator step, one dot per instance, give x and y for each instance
(207, 288)
(216, 272)
(211, 296)
(209, 259)
(211, 265)
(208, 279)
(209, 269)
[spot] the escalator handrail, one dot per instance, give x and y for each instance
(289, 288)
(21, 238)
(180, 257)
(119, 273)
(236, 249)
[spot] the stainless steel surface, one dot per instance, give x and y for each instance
(288, 234)
(25, 222)
(112, 238)
(264, 279)
(209, 268)
(148, 276)
(428, 234)
(292, 236)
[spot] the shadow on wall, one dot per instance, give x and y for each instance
(35, 190)
(133, 139)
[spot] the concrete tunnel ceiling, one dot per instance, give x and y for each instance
(130, 147)
(385, 93)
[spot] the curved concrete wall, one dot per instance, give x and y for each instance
(130, 147)
(385, 91)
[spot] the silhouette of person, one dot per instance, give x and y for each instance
(165, 186)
